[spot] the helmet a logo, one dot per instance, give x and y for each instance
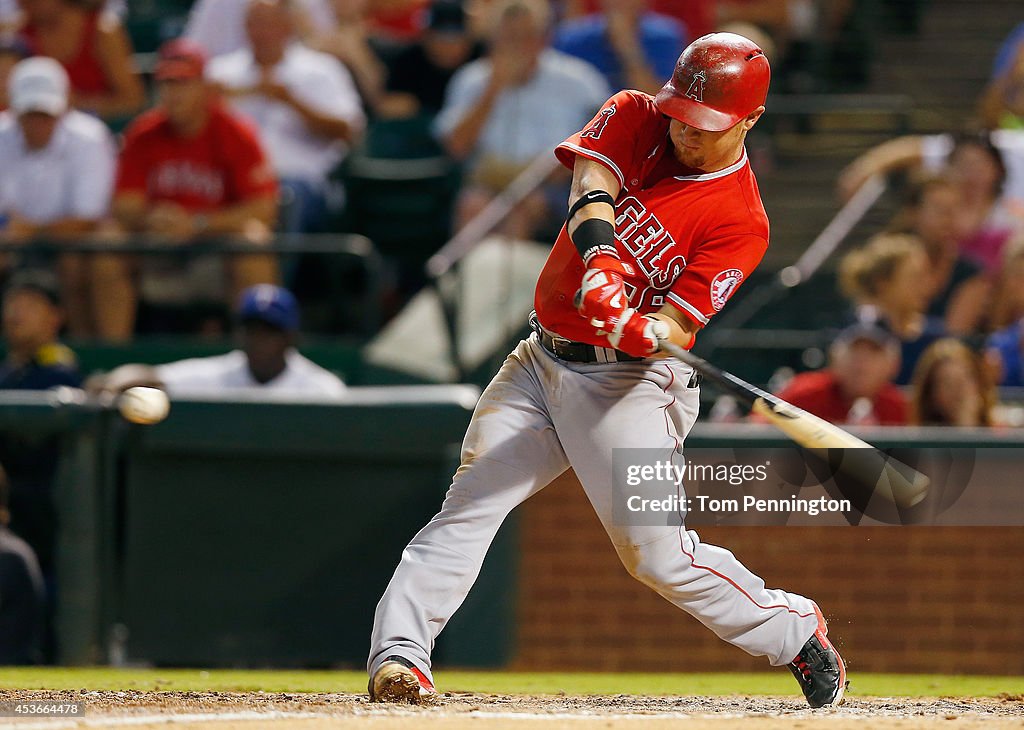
(696, 90)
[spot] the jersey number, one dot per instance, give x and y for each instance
(643, 235)
(596, 128)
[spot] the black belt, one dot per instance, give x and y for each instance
(572, 351)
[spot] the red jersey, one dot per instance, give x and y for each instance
(223, 165)
(85, 71)
(691, 237)
(819, 393)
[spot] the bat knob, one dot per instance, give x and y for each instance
(577, 298)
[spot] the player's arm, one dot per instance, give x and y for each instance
(591, 228)
(681, 330)
(602, 296)
(589, 180)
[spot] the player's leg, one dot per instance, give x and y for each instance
(509, 453)
(707, 582)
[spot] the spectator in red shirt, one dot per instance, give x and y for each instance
(857, 386)
(189, 169)
(93, 47)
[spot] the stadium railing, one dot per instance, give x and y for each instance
(327, 251)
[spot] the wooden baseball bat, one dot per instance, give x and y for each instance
(897, 482)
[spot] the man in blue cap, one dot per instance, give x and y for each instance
(267, 361)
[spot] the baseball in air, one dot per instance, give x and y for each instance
(144, 405)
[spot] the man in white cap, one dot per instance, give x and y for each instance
(56, 174)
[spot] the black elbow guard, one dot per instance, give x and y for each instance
(593, 235)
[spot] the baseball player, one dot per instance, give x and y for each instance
(665, 222)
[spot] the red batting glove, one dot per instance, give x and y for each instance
(635, 334)
(610, 263)
(602, 291)
(602, 295)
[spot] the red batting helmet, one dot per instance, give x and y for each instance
(719, 79)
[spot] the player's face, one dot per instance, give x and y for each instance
(710, 151)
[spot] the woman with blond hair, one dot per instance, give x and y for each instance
(951, 387)
(889, 283)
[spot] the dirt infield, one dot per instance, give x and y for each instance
(296, 711)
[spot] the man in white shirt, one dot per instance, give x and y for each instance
(304, 103)
(56, 174)
(267, 363)
(519, 102)
(219, 25)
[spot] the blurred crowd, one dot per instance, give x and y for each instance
(258, 106)
(937, 299)
(265, 114)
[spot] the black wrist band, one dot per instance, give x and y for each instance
(594, 196)
(594, 236)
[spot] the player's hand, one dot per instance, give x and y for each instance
(602, 290)
(635, 334)
(602, 295)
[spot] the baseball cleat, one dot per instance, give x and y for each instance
(398, 680)
(819, 669)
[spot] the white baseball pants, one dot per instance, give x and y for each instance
(538, 417)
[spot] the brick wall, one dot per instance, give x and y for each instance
(898, 599)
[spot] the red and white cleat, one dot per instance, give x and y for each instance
(398, 680)
(819, 669)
